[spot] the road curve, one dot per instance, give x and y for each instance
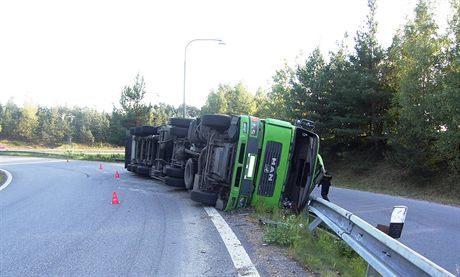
(431, 229)
(56, 219)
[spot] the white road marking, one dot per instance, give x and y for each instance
(240, 258)
(37, 162)
(8, 180)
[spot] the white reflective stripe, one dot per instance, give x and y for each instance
(9, 178)
(252, 160)
(399, 214)
(240, 258)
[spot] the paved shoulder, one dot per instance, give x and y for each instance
(57, 219)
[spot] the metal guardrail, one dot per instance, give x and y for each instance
(384, 254)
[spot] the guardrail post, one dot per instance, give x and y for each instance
(398, 216)
(312, 226)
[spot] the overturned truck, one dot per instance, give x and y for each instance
(230, 161)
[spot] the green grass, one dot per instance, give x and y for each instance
(319, 251)
(115, 157)
(109, 157)
(101, 147)
(382, 177)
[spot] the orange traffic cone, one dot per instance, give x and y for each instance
(115, 198)
(100, 166)
(117, 175)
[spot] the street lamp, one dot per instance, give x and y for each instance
(221, 42)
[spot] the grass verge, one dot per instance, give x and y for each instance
(110, 157)
(318, 251)
(19, 145)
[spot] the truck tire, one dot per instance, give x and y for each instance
(157, 173)
(179, 132)
(174, 172)
(137, 130)
(132, 130)
(148, 130)
(219, 122)
(189, 173)
(174, 182)
(143, 170)
(206, 198)
(180, 122)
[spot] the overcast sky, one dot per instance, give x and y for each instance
(83, 52)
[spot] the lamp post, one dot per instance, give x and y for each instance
(221, 42)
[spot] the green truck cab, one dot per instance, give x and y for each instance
(252, 161)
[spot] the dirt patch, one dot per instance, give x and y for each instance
(271, 260)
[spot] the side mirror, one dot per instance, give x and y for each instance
(305, 123)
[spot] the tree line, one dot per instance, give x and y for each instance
(401, 103)
(53, 126)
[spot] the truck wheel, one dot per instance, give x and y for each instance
(132, 130)
(180, 122)
(174, 171)
(219, 122)
(189, 173)
(148, 130)
(179, 132)
(137, 130)
(174, 182)
(157, 173)
(143, 170)
(206, 198)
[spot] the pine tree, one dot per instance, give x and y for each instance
(448, 109)
(371, 96)
(307, 89)
(279, 93)
(418, 69)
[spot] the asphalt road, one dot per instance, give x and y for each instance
(431, 229)
(56, 219)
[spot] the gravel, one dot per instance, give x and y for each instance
(270, 260)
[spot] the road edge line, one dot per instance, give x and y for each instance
(8, 180)
(238, 254)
